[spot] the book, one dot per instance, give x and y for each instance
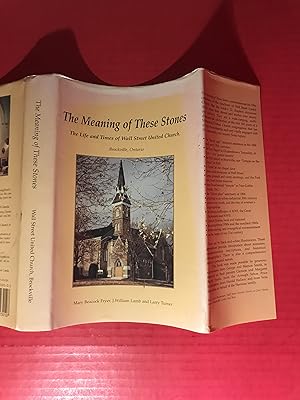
(139, 204)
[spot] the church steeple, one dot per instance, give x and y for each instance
(121, 207)
(121, 180)
(121, 195)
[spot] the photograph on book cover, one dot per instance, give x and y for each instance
(123, 233)
(4, 134)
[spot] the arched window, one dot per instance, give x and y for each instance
(118, 263)
(105, 252)
(163, 253)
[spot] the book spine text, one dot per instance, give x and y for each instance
(37, 196)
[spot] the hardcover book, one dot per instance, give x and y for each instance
(138, 204)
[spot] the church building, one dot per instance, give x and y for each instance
(119, 251)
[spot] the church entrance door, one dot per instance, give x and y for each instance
(118, 270)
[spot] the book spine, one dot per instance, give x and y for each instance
(37, 204)
(204, 216)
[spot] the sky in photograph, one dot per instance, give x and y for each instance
(150, 193)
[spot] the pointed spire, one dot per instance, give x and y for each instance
(121, 195)
(121, 180)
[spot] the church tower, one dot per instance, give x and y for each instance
(121, 208)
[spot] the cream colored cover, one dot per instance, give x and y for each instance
(70, 124)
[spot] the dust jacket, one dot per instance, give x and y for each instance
(141, 204)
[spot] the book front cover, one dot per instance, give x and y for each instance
(130, 239)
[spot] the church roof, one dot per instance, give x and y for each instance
(98, 232)
(108, 231)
